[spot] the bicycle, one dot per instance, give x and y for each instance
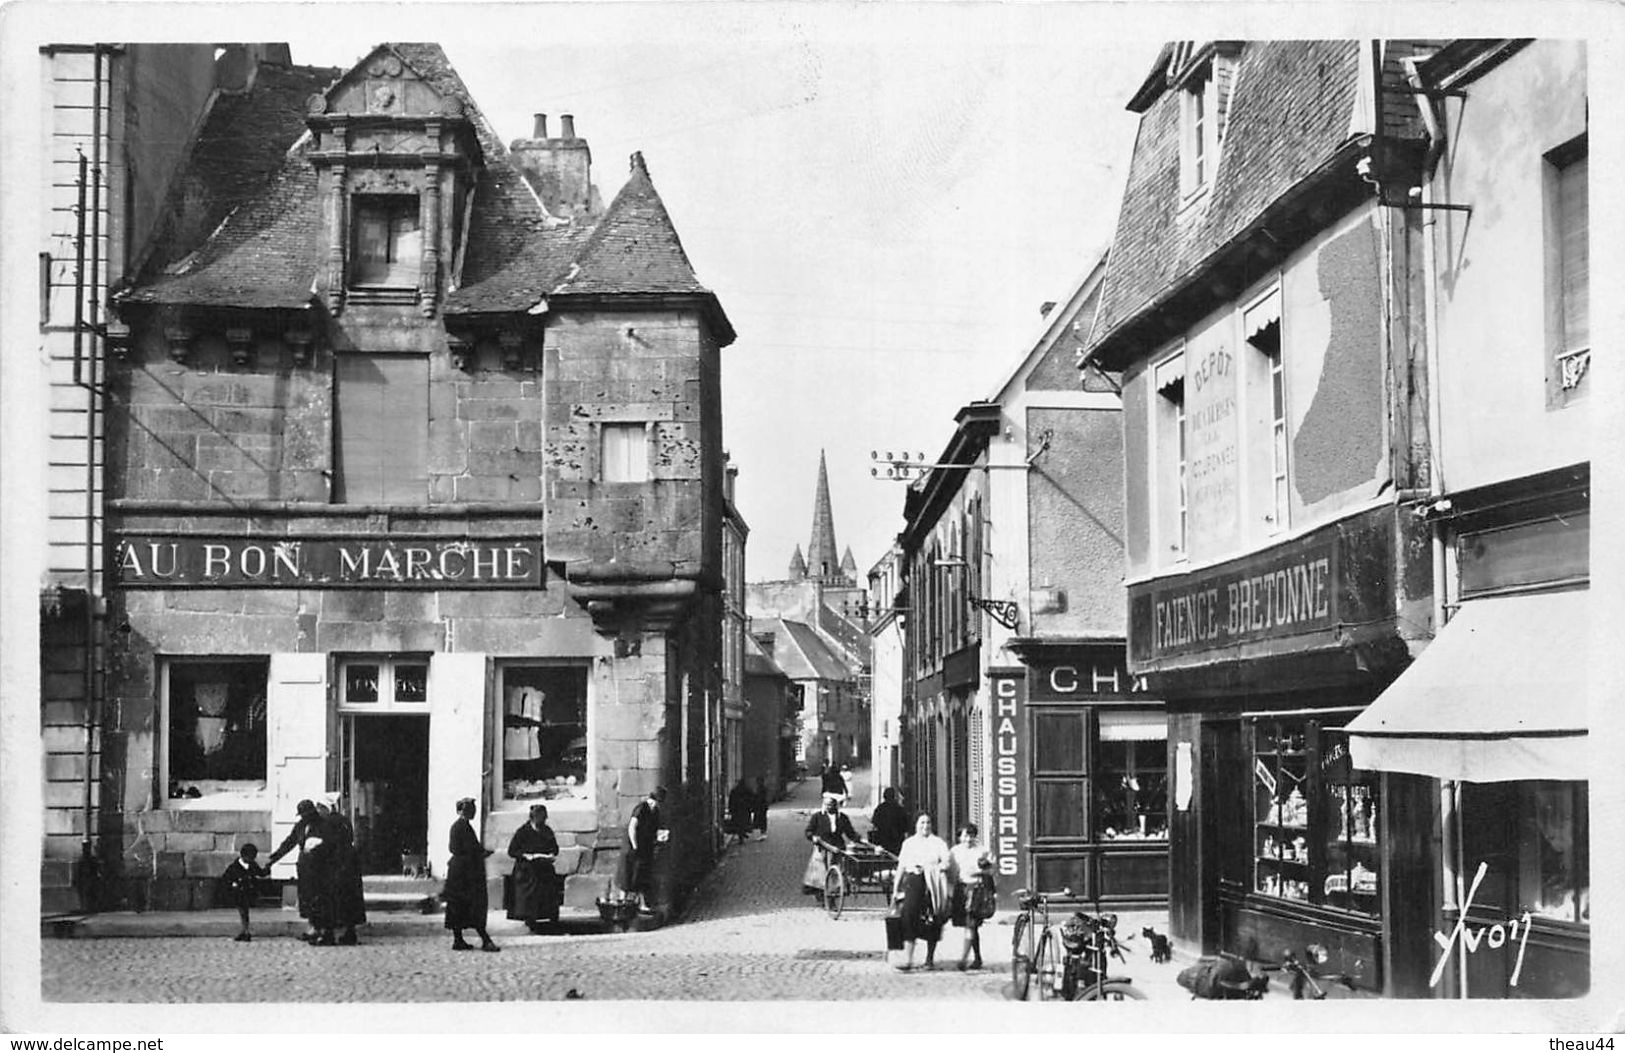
(1074, 959)
(1034, 918)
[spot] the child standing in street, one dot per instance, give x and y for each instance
(241, 884)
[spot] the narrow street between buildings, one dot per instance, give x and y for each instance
(750, 934)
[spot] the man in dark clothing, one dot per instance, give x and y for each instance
(741, 803)
(759, 803)
(832, 784)
(890, 823)
(827, 827)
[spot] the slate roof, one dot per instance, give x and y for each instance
(1291, 109)
(802, 653)
(242, 144)
(757, 662)
(265, 253)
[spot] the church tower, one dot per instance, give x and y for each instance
(823, 561)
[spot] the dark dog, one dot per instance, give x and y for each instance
(1161, 949)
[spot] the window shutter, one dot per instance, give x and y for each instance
(382, 429)
(1575, 246)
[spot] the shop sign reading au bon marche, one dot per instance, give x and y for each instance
(156, 561)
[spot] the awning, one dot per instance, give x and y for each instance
(1499, 695)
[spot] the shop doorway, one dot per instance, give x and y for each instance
(385, 759)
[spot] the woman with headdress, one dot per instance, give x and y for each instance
(465, 895)
(346, 902)
(306, 836)
(534, 849)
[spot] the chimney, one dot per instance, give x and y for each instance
(559, 170)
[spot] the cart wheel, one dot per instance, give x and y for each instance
(834, 891)
(1050, 974)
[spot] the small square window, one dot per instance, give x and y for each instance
(623, 453)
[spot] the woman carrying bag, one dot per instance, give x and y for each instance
(921, 890)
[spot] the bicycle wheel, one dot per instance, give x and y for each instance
(1021, 958)
(1111, 991)
(1050, 971)
(834, 891)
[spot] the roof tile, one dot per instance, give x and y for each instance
(1292, 107)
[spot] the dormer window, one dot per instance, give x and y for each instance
(387, 242)
(1203, 87)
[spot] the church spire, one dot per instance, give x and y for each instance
(822, 555)
(798, 566)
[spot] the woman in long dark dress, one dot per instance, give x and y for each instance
(534, 849)
(466, 900)
(346, 902)
(307, 869)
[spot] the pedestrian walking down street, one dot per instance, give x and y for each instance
(466, 901)
(828, 826)
(643, 831)
(344, 906)
(830, 781)
(241, 885)
(741, 810)
(758, 813)
(890, 823)
(921, 889)
(306, 837)
(535, 849)
(970, 874)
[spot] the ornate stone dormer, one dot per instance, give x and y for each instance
(396, 156)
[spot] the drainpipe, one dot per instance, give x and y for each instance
(1450, 820)
(88, 877)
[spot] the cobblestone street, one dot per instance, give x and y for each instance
(750, 935)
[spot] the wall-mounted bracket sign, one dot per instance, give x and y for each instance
(193, 561)
(1004, 612)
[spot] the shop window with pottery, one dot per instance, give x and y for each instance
(1131, 776)
(544, 731)
(215, 724)
(1315, 818)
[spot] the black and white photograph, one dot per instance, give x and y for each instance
(792, 517)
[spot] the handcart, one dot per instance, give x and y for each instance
(859, 867)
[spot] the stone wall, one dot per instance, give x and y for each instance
(173, 859)
(631, 368)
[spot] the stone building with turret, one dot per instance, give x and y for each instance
(415, 492)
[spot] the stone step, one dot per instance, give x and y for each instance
(395, 883)
(408, 902)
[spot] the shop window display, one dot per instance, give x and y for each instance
(1532, 839)
(1315, 818)
(544, 732)
(216, 722)
(1131, 776)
